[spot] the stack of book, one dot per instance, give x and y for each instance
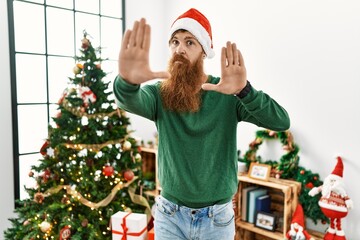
(254, 199)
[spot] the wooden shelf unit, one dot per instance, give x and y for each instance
(149, 166)
(286, 192)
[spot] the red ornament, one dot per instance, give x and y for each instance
(309, 185)
(46, 175)
(302, 172)
(108, 170)
(128, 175)
(44, 147)
(315, 178)
(65, 233)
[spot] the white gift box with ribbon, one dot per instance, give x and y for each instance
(129, 226)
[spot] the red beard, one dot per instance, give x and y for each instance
(182, 91)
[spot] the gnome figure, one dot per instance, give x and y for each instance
(334, 201)
(297, 228)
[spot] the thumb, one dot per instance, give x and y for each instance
(161, 75)
(209, 87)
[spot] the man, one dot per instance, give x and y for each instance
(196, 116)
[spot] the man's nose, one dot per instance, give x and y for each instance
(180, 49)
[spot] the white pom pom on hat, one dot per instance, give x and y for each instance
(198, 25)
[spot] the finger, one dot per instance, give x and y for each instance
(140, 33)
(223, 58)
(163, 75)
(147, 37)
(209, 87)
(236, 54)
(229, 53)
(241, 59)
(125, 41)
(132, 40)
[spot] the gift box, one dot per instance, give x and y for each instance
(129, 226)
(151, 234)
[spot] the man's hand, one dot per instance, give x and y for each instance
(134, 55)
(233, 72)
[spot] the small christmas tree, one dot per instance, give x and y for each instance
(91, 166)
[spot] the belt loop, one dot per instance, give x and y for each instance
(210, 214)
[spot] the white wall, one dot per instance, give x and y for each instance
(6, 165)
(305, 54)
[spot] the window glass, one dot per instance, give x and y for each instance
(25, 163)
(31, 78)
(111, 8)
(60, 34)
(60, 69)
(61, 3)
(91, 6)
(111, 32)
(32, 126)
(29, 27)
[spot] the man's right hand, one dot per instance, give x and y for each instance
(134, 55)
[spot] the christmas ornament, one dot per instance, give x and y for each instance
(65, 233)
(44, 147)
(85, 43)
(26, 222)
(45, 226)
(31, 174)
(46, 175)
(128, 175)
(39, 197)
(297, 228)
(108, 170)
(84, 222)
(334, 201)
(126, 146)
(87, 95)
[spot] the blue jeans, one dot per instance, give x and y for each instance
(173, 222)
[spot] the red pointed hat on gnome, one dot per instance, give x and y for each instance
(298, 216)
(198, 25)
(339, 169)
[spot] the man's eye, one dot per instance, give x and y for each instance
(190, 43)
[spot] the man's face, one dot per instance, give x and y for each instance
(184, 43)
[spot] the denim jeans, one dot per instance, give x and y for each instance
(173, 222)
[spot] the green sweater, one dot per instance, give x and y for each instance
(197, 152)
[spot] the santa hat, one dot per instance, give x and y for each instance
(198, 25)
(338, 170)
(298, 216)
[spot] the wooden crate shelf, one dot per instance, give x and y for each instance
(285, 191)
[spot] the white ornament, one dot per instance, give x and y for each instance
(127, 145)
(45, 226)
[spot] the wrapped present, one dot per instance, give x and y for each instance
(129, 226)
(151, 234)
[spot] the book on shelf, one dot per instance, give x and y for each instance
(263, 204)
(244, 202)
(252, 201)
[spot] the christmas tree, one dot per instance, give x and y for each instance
(91, 166)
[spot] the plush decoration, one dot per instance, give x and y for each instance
(334, 201)
(297, 228)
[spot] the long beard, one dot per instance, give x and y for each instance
(182, 91)
(337, 188)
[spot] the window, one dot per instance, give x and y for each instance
(45, 35)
